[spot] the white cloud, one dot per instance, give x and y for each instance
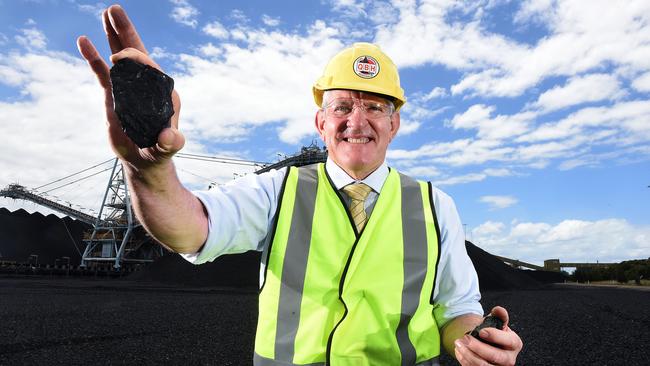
(239, 16)
(575, 163)
(548, 150)
(488, 229)
(407, 126)
(9, 75)
(59, 119)
(210, 50)
(381, 12)
(479, 117)
(423, 35)
(578, 90)
(216, 30)
(270, 21)
(572, 141)
(422, 171)
(460, 179)
(436, 92)
(447, 180)
(419, 111)
(158, 53)
(184, 13)
(581, 40)
(473, 116)
(498, 202)
(95, 9)
(498, 172)
(263, 70)
(632, 154)
(607, 240)
(460, 152)
(350, 8)
(642, 83)
(239, 34)
(540, 11)
(628, 117)
(31, 39)
(478, 152)
(429, 150)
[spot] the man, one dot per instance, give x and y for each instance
(362, 265)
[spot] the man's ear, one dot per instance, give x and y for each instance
(394, 124)
(319, 123)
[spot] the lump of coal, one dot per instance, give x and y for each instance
(142, 100)
(489, 322)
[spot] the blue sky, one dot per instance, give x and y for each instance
(533, 115)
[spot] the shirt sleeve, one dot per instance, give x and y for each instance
(240, 214)
(457, 289)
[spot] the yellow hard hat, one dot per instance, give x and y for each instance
(361, 67)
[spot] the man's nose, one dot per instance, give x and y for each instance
(357, 117)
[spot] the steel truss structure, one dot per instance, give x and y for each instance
(117, 236)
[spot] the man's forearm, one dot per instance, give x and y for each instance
(166, 209)
(456, 328)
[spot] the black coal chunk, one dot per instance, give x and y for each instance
(489, 322)
(142, 100)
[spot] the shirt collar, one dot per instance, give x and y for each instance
(341, 179)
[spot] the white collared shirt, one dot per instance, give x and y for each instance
(241, 214)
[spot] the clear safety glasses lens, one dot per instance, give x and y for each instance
(343, 107)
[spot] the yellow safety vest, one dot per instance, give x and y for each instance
(333, 296)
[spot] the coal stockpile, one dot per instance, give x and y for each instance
(493, 274)
(241, 270)
(545, 276)
(23, 234)
(118, 322)
(234, 270)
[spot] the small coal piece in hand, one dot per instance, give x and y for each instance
(489, 322)
(142, 100)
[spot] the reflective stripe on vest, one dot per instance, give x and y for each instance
(334, 296)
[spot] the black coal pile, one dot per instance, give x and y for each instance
(493, 274)
(23, 234)
(545, 276)
(241, 270)
(234, 270)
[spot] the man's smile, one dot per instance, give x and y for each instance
(357, 140)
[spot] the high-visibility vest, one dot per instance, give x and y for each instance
(333, 296)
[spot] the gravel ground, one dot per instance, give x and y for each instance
(62, 321)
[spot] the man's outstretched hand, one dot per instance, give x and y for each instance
(125, 42)
(471, 351)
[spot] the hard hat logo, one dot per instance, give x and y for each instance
(366, 67)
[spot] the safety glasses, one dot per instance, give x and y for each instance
(343, 107)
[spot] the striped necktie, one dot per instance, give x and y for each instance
(358, 193)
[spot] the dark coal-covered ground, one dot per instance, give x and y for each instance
(85, 321)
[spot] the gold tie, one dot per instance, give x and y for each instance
(358, 193)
